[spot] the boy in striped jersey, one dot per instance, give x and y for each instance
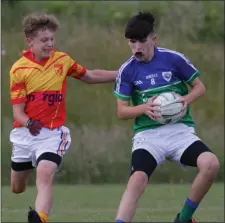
(150, 71)
(38, 90)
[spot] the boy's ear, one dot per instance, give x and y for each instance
(154, 37)
(28, 41)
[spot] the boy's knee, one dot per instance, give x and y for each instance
(138, 181)
(45, 172)
(208, 164)
(18, 189)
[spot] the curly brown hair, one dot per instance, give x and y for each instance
(35, 22)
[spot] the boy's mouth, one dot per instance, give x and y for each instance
(48, 50)
(138, 54)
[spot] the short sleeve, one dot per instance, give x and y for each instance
(75, 70)
(186, 71)
(123, 85)
(17, 87)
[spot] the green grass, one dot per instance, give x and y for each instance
(99, 203)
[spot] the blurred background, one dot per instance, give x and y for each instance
(93, 34)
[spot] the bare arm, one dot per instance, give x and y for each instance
(19, 114)
(125, 111)
(198, 90)
(98, 76)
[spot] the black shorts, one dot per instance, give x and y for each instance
(44, 156)
(142, 160)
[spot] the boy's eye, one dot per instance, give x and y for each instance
(143, 40)
(133, 41)
(44, 40)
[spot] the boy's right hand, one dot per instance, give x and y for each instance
(34, 126)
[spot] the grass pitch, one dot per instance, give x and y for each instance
(98, 203)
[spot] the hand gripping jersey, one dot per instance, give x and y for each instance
(42, 86)
(167, 71)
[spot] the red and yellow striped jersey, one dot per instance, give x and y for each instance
(42, 86)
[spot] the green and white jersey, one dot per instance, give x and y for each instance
(167, 71)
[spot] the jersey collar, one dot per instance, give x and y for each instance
(29, 55)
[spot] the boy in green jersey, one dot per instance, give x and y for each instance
(150, 71)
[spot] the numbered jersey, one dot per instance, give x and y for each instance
(167, 71)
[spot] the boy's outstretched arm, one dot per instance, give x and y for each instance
(99, 76)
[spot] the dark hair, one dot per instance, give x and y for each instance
(140, 26)
(35, 21)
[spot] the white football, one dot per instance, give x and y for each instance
(170, 108)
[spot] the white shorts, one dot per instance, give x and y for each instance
(166, 142)
(28, 148)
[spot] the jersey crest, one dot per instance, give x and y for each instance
(58, 69)
(167, 75)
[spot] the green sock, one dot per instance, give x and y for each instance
(188, 210)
